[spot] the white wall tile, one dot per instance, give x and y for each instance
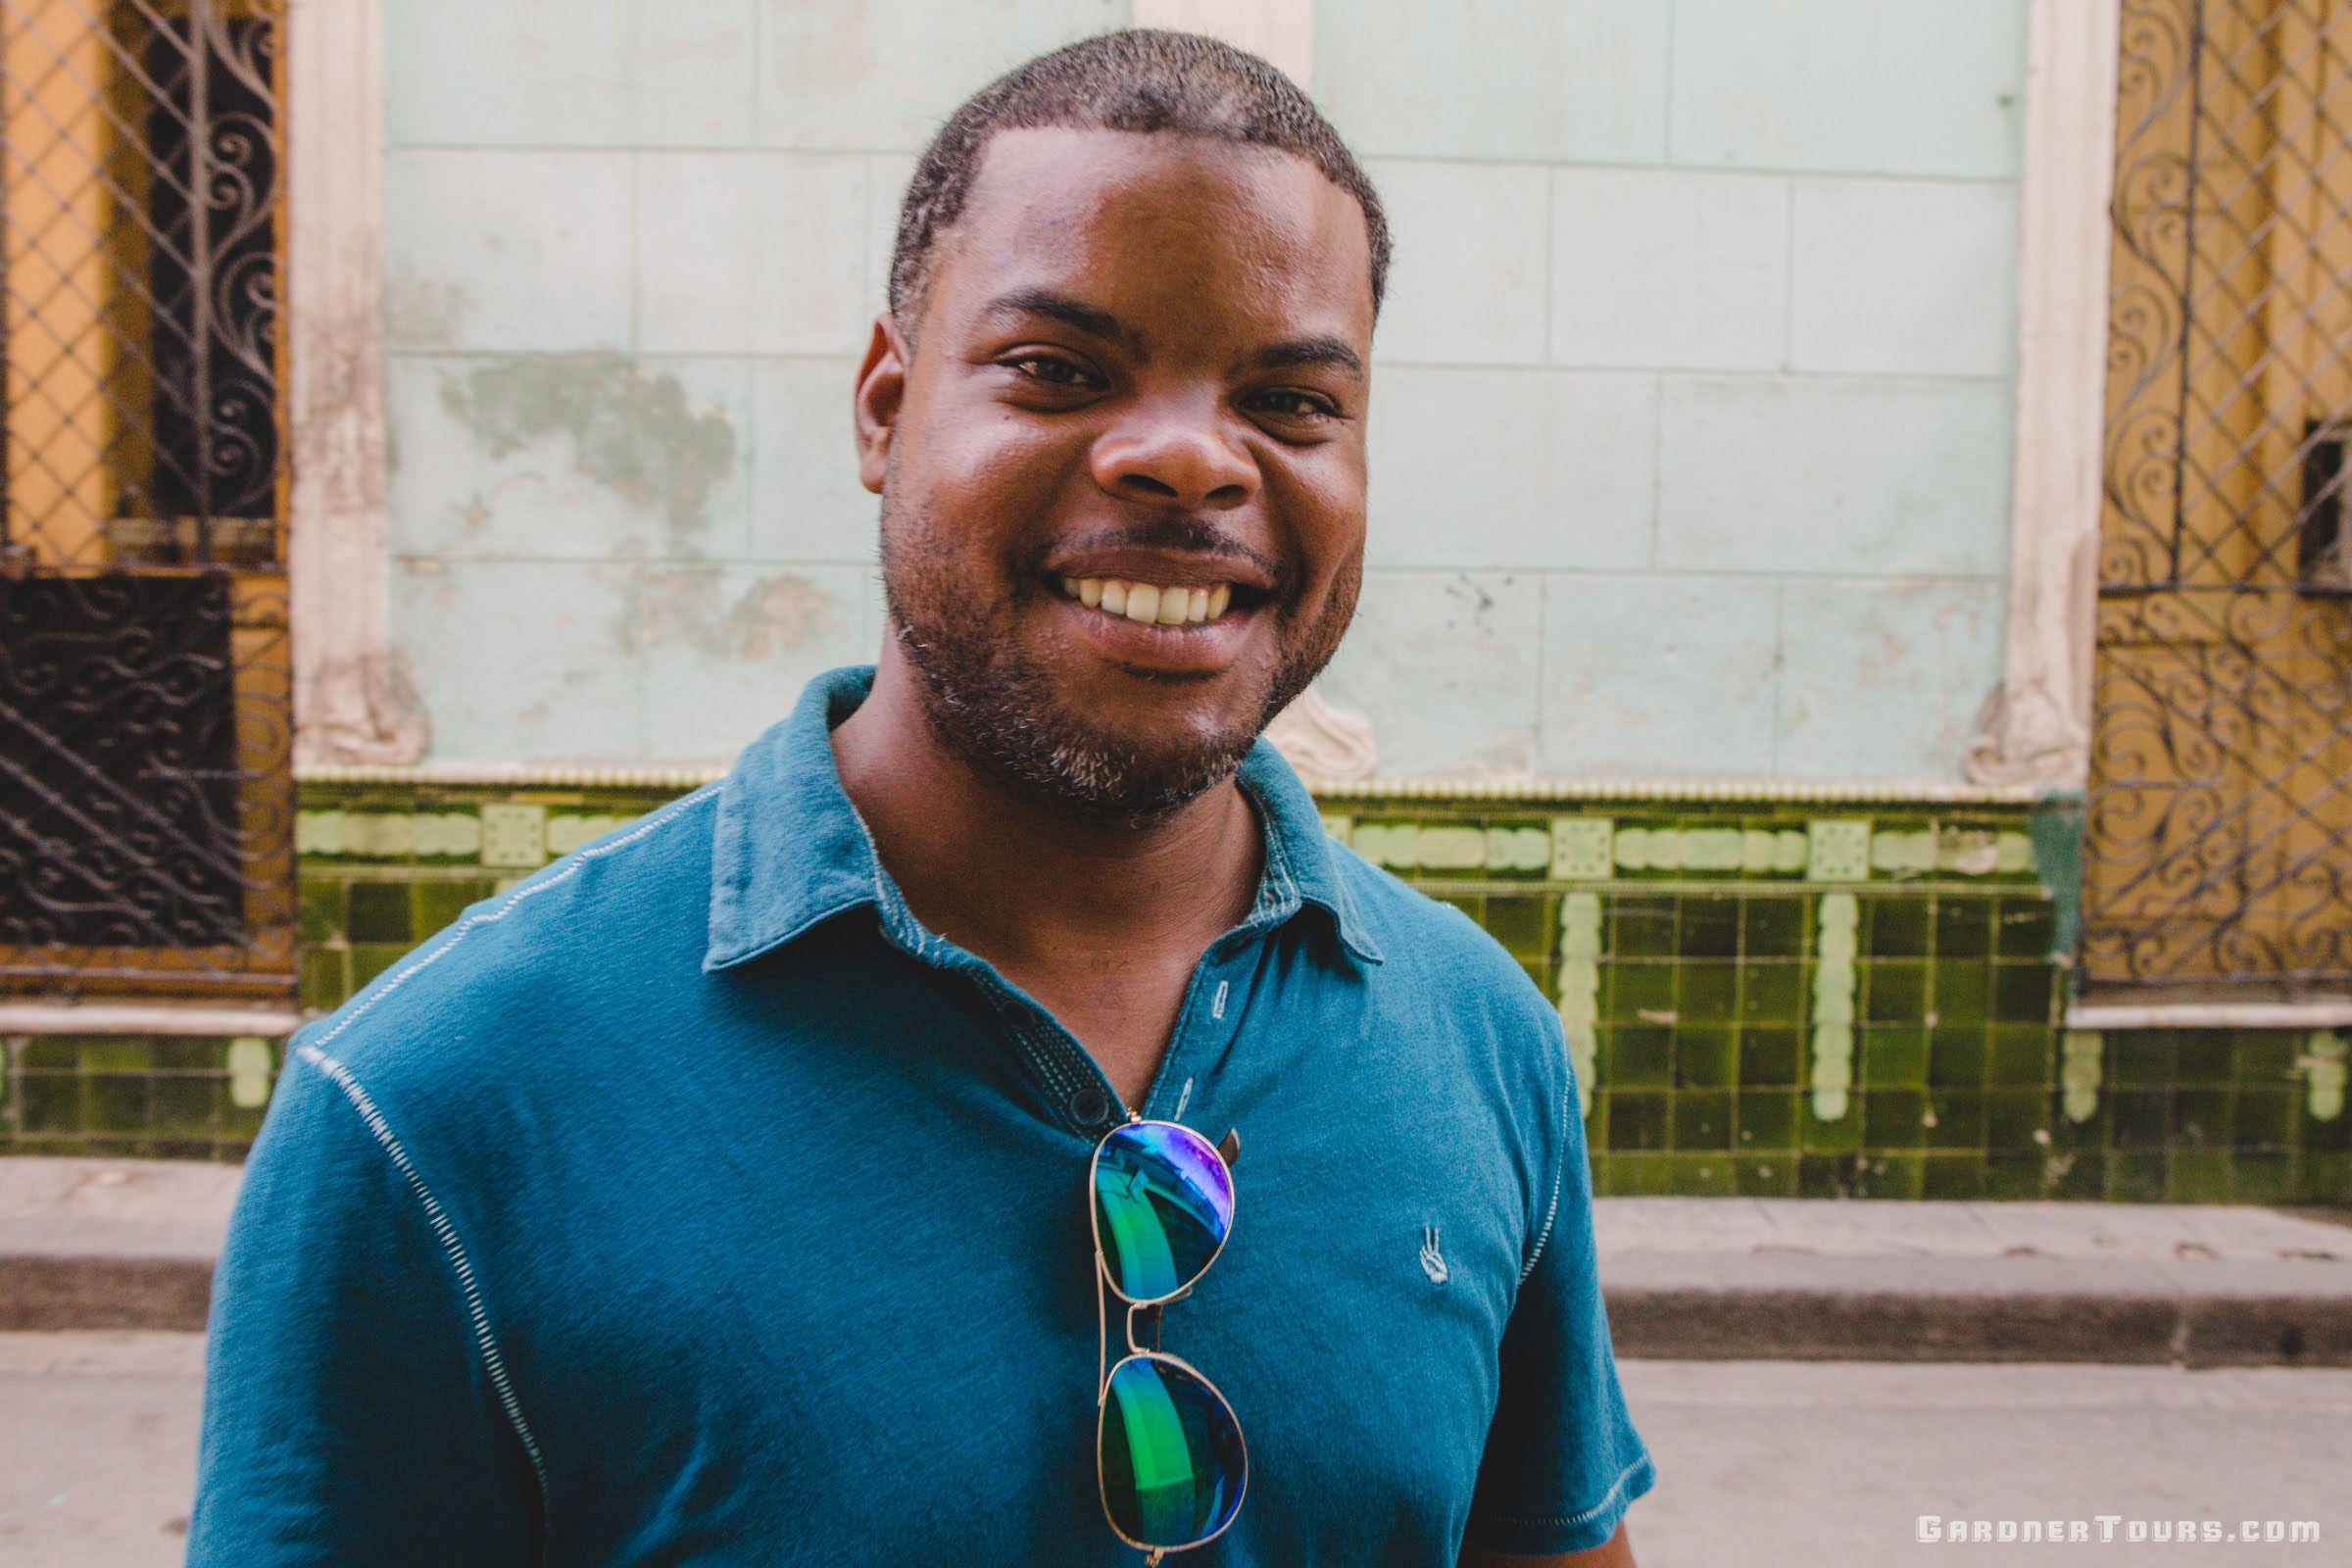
(570, 457)
(1467, 283)
(569, 74)
(1905, 276)
(1519, 80)
(1657, 675)
(724, 651)
(1511, 468)
(1664, 269)
(507, 252)
(759, 253)
(807, 503)
(1862, 475)
(1854, 86)
(1885, 679)
(883, 74)
(1443, 664)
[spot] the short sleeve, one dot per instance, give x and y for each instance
(348, 1417)
(1562, 1458)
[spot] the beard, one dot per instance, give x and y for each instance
(991, 704)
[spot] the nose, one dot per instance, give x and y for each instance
(1175, 454)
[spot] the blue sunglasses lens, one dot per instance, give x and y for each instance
(1164, 1203)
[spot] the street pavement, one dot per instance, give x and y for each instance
(1779, 1465)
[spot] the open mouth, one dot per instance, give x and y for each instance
(1154, 603)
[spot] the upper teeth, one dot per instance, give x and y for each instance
(1146, 603)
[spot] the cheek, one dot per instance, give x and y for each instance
(987, 480)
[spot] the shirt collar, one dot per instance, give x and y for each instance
(790, 851)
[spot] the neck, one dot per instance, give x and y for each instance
(1022, 881)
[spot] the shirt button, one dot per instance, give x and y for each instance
(1090, 1106)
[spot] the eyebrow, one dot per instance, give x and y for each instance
(1103, 324)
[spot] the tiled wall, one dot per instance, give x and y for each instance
(1691, 436)
(1775, 1000)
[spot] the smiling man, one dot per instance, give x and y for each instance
(847, 1164)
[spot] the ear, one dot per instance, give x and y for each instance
(881, 392)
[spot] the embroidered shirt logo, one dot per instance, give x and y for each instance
(1433, 1261)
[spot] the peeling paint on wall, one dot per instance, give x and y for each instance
(689, 605)
(636, 434)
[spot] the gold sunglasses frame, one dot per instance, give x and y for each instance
(1106, 1370)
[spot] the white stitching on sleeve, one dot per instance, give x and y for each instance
(1552, 1212)
(492, 1361)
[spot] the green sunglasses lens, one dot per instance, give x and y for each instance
(1173, 1466)
(1164, 1203)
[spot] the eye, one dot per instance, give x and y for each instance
(1293, 403)
(1052, 370)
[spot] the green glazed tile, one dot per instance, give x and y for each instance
(2141, 1057)
(1949, 1178)
(323, 983)
(1642, 928)
(1705, 1058)
(1895, 993)
(321, 913)
(184, 1102)
(1896, 927)
(1709, 992)
(441, 900)
(380, 913)
(369, 962)
(49, 1102)
(1823, 1176)
(2142, 1118)
(1705, 1176)
(1963, 928)
(1596, 1123)
(2024, 930)
(187, 1052)
(1765, 1119)
(184, 1148)
(1520, 923)
(2138, 1177)
(130, 1054)
(2197, 1176)
(2021, 1056)
(1765, 1178)
(1772, 928)
(1957, 1059)
(2263, 1055)
(1636, 1121)
(1637, 1057)
(1962, 991)
(1768, 1058)
(1702, 1119)
(2316, 1136)
(1841, 1137)
(2263, 1118)
(1959, 1119)
(2262, 1178)
(115, 1103)
(2012, 1116)
(2012, 1177)
(1647, 1175)
(2022, 992)
(50, 1053)
(1895, 1118)
(2327, 1177)
(2200, 1119)
(1638, 993)
(1772, 993)
(2077, 1177)
(1604, 1174)
(1890, 1175)
(2093, 1135)
(2202, 1057)
(1710, 928)
(1473, 904)
(1895, 1058)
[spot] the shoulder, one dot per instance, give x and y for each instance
(1428, 941)
(576, 931)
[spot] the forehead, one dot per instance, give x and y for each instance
(1161, 219)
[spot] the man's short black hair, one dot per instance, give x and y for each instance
(1141, 79)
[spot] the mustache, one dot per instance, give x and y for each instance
(1195, 536)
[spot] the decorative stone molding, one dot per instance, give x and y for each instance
(1281, 31)
(2036, 729)
(350, 704)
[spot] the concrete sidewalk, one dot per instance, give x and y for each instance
(130, 1244)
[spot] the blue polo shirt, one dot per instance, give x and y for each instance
(691, 1201)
